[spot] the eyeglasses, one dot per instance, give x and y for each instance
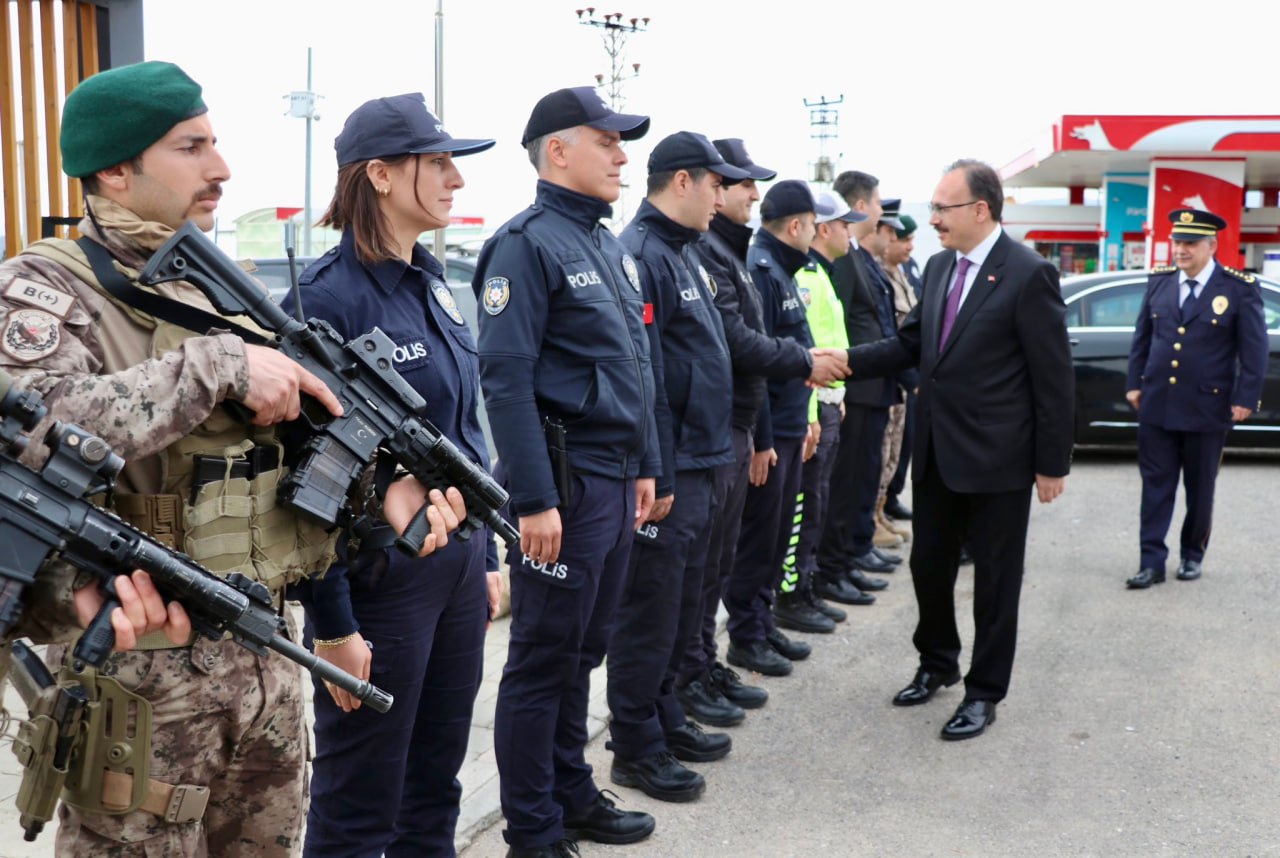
(934, 208)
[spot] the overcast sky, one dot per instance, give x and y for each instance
(924, 82)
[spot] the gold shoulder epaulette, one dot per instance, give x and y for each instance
(1239, 275)
(1164, 269)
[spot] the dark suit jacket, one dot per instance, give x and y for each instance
(995, 406)
(856, 290)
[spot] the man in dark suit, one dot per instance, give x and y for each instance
(995, 418)
(1196, 367)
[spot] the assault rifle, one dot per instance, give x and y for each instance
(380, 410)
(48, 511)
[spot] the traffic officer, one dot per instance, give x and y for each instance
(798, 605)
(565, 366)
(779, 250)
(1196, 367)
(661, 601)
(389, 782)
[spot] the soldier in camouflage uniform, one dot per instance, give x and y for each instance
(224, 719)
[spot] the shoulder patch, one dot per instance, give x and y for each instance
(40, 295)
(707, 280)
(633, 273)
(497, 292)
(444, 297)
(29, 335)
(1239, 275)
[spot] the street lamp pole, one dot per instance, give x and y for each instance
(302, 105)
(824, 125)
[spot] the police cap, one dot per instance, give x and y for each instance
(1194, 224)
(908, 226)
(839, 209)
(115, 115)
(397, 125)
(889, 215)
(734, 151)
(688, 150)
(580, 105)
(790, 197)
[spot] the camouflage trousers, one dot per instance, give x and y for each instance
(892, 449)
(223, 718)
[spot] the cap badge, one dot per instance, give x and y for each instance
(1220, 305)
(497, 292)
(1186, 217)
(444, 298)
(633, 275)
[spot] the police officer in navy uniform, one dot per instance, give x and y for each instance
(1197, 364)
(388, 783)
(780, 249)
(661, 602)
(565, 366)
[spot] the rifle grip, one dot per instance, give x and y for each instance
(95, 645)
(410, 542)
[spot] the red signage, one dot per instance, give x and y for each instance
(1169, 134)
(1215, 186)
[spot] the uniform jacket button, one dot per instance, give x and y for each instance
(1173, 379)
(1182, 330)
(1174, 364)
(1177, 347)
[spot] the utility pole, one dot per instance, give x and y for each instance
(615, 29)
(824, 125)
(302, 105)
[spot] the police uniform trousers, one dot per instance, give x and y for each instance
(855, 486)
(722, 549)
(660, 605)
(1161, 455)
(561, 615)
(815, 483)
(388, 783)
(762, 546)
(899, 480)
(222, 718)
(994, 525)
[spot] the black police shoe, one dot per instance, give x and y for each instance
(793, 611)
(1189, 570)
(564, 848)
(760, 657)
(896, 509)
(603, 822)
(703, 701)
(895, 559)
(786, 647)
(838, 588)
(689, 742)
(871, 562)
(865, 584)
(659, 776)
(730, 684)
(819, 604)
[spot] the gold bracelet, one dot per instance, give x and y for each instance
(319, 644)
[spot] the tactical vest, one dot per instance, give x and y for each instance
(232, 521)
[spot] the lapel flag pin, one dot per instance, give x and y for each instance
(991, 278)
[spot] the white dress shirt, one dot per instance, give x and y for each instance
(976, 258)
(1201, 278)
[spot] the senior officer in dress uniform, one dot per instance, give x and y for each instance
(565, 367)
(1197, 364)
(661, 602)
(227, 744)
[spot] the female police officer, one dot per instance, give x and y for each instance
(389, 782)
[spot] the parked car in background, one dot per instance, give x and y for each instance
(1101, 312)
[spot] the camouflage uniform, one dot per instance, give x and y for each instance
(904, 299)
(223, 718)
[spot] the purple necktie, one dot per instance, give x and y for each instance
(953, 301)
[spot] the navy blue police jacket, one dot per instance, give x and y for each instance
(434, 351)
(773, 265)
(562, 336)
(687, 340)
(756, 356)
(1192, 369)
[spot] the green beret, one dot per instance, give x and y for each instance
(115, 115)
(908, 226)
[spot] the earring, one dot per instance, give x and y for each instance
(382, 192)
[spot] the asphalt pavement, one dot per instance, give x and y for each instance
(1138, 723)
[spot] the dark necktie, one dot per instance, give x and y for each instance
(1189, 304)
(953, 301)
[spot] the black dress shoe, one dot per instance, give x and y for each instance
(895, 559)
(895, 508)
(603, 822)
(1188, 570)
(923, 686)
(691, 743)
(971, 718)
(659, 776)
(564, 848)
(786, 647)
(819, 604)
(870, 562)
(863, 583)
(793, 611)
(702, 700)
(1146, 577)
(760, 657)
(727, 681)
(840, 589)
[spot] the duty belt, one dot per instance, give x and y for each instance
(830, 395)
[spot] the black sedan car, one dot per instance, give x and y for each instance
(1101, 312)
